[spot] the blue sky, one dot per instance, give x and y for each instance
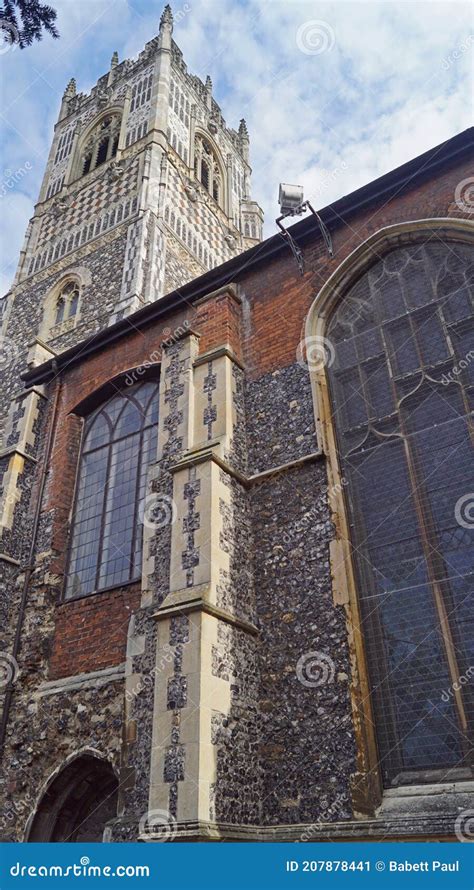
(334, 94)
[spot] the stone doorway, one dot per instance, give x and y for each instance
(78, 803)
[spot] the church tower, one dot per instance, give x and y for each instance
(145, 188)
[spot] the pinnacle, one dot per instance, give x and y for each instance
(166, 16)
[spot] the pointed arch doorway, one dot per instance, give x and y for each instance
(77, 803)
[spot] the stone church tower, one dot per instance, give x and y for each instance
(145, 188)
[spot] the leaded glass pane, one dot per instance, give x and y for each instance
(119, 444)
(402, 426)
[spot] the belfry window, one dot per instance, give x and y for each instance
(102, 143)
(207, 168)
(400, 385)
(67, 302)
(120, 440)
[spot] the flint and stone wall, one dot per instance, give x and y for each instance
(202, 702)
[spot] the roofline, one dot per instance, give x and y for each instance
(397, 180)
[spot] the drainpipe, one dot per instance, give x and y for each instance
(31, 557)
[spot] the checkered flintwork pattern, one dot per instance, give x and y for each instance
(101, 206)
(97, 195)
(196, 223)
(134, 255)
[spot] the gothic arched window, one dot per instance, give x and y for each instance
(102, 144)
(400, 380)
(119, 443)
(67, 302)
(207, 168)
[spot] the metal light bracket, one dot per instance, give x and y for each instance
(306, 205)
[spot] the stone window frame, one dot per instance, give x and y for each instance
(88, 144)
(150, 371)
(50, 327)
(215, 168)
(366, 783)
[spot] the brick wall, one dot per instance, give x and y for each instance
(91, 633)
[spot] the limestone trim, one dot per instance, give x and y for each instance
(219, 352)
(228, 290)
(183, 602)
(5, 558)
(13, 449)
(203, 454)
(367, 790)
(93, 679)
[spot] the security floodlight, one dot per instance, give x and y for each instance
(292, 203)
(290, 198)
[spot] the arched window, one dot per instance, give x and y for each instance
(67, 302)
(207, 168)
(119, 443)
(401, 376)
(102, 144)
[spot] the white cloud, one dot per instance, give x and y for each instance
(394, 80)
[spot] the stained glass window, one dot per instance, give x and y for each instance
(119, 443)
(401, 387)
